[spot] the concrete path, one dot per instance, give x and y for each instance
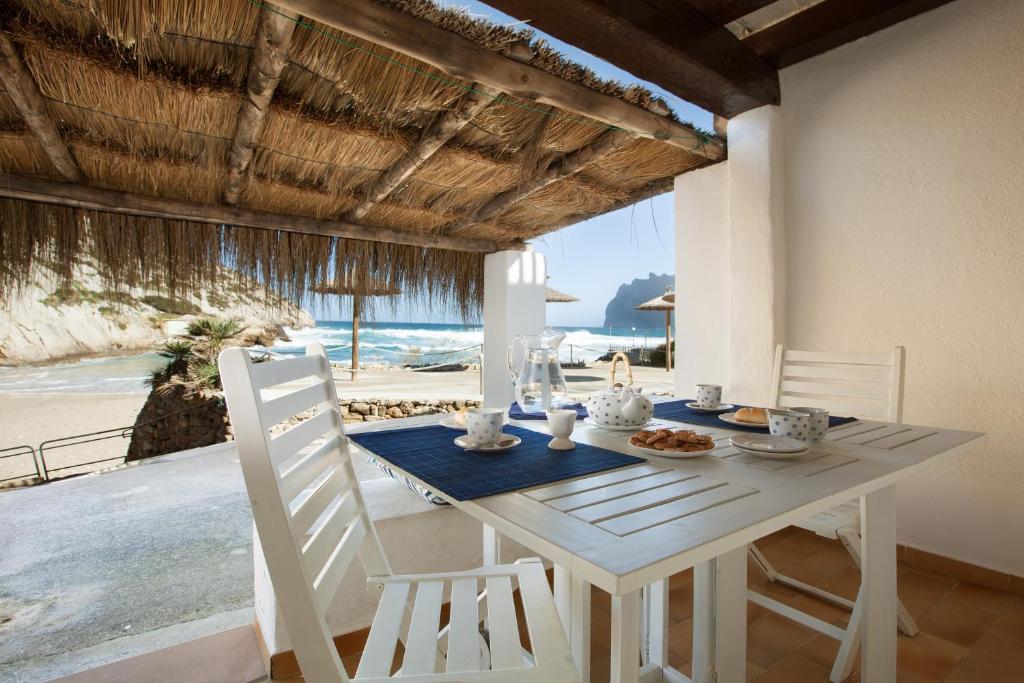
(97, 568)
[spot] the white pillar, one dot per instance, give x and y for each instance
(702, 278)
(730, 264)
(514, 289)
(757, 267)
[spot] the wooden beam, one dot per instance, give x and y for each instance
(572, 163)
(270, 56)
(444, 127)
(113, 201)
(24, 92)
(828, 25)
(666, 42)
(722, 12)
(466, 60)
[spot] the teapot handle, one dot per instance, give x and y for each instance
(616, 359)
(510, 356)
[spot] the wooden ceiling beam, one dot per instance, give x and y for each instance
(464, 59)
(112, 201)
(722, 12)
(444, 127)
(270, 56)
(24, 92)
(570, 164)
(828, 25)
(666, 42)
(652, 189)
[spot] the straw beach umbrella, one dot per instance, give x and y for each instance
(663, 303)
(553, 296)
(348, 287)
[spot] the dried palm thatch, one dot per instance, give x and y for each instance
(148, 97)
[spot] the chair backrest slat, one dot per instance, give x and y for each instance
(858, 384)
(306, 503)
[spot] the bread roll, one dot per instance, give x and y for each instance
(758, 416)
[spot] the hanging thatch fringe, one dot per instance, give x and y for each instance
(184, 257)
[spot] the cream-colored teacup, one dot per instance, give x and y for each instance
(484, 425)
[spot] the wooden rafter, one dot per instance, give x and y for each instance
(572, 163)
(829, 24)
(444, 127)
(24, 92)
(666, 42)
(464, 59)
(270, 56)
(722, 12)
(112, 201)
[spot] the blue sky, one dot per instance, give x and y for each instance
(590, 259)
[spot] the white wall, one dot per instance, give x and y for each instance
(904, 165)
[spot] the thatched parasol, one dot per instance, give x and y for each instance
(553, 296)
(663, 303)
(348, 286)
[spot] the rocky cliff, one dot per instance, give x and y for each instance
(50, 320)
(621, 310)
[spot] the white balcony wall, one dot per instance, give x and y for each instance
(901, 160)
(905, 206)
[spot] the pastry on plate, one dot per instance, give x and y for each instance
(755, 416)
(681, 441)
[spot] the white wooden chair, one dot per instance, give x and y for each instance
(864, 385)
(312, 522)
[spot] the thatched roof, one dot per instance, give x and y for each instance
(353, 286)
(659, 303)
(555, 296)
(157, 98)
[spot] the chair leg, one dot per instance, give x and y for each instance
(851, 541)
(843, 664)
(761, 562)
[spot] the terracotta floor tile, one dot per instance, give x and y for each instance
(773, 590)
(680, 639)
(681, 579)
(753, 670)
(922, 588)
(680, 603)
(754, 612)
(825, 611)
(600, 598)
(961, 676)
(926, 657)
(822, 650)
(964, 626)
(846, 583)
(1011, 621)
(804, 542)
(794, 668)
(979, 597)
(600, 630)
(996, 658)
(772, 637)
(600, 668)
(831, 560)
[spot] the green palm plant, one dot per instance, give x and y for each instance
(192, 363)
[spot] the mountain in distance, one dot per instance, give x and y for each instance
(621, 310)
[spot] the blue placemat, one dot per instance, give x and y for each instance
(678, 412)
(428, 454)
(516, 413)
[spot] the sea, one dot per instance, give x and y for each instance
(380, 343)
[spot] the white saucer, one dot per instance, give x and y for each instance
(774, 447)
(717, 409)
(505, 442)
(731, 419)
(673, 454)
(617, 428)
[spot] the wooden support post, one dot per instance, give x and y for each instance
(24, 92)
(668, 341)
(270, 56)
(355, 337)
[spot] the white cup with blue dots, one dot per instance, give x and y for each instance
(789, 423)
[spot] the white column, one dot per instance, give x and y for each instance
(514, 288)
(702, 278)
(757, 267)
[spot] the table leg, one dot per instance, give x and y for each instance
(720, 618)
(655, 647)
(625, 666)
(579, 636)
(878, 586)
(563, 598)
(492, 546)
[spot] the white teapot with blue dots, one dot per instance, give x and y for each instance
(620, 405)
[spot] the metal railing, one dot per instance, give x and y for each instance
(45, 473)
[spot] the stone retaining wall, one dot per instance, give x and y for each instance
(370, 409)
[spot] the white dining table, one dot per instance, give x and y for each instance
(628, 530)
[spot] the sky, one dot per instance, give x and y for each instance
(590, 259)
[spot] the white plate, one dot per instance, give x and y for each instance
(505, 442)
(717, 409)
(672, 454)
(773, 456)
(764, 443)
(617, 428)
(731, 419)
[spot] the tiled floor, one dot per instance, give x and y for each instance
(969, 634)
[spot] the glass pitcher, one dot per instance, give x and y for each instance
(536, 371)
